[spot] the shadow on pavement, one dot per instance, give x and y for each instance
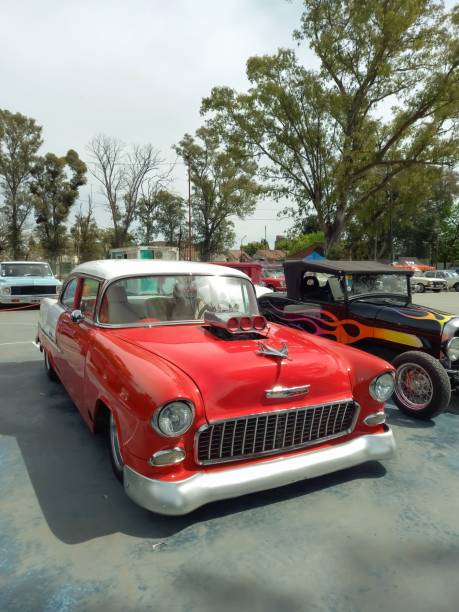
(70, 471)
(396, 417)
(453, 407)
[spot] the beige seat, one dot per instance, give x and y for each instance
(115, 307)
(159, 308)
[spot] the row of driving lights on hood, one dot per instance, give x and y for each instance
(246, 324)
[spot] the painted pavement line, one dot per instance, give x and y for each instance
(21, 324)
(22, 342)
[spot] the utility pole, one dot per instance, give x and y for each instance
(391, 230)
(189, 210)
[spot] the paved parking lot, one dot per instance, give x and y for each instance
(376, 537)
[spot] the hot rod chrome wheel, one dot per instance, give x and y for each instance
(422, 387)
(413, 386)
(115, 452)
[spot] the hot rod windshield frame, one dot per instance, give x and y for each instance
(377, 285)
(295, 270)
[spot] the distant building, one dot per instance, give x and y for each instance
(233, 255)
(270, 255)
(316, 247)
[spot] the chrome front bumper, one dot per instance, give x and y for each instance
(25, 299)
(183, 496)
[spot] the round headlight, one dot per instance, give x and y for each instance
(174, 418)
(6, 290)
(382, 387)
(452, 349)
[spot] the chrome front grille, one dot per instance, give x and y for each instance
(34, 290)
(273, 432)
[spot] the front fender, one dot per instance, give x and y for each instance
(133, 383)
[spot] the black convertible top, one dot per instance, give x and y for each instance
(295, 269)
(342, 267)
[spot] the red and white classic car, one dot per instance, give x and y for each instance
(201, 398)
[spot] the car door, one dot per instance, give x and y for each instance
(67, 304)
(319, 313)
(73, 338)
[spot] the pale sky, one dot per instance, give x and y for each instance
(135, 70)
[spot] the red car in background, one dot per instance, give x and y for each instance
(274, 278)
(270, 276)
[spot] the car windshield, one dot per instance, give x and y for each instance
(26, 269)
(273, 273)
(158, 299)
(373, 284)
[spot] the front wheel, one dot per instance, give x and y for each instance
(50, 371)
(421, 288)
(115, 452)
(422, 387)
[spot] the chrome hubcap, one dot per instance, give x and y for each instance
(115, 445)
(46, 360)
(413, 386)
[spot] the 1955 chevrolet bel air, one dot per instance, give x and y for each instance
(201, 399)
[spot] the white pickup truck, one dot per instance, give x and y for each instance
(27, 282)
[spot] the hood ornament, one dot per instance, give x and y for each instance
(270, 351)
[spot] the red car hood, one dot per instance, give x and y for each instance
(231, 376)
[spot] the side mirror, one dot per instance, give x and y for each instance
(77, 316)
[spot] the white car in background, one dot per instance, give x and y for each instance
(27, 282)
(449, 276)
(421, 283)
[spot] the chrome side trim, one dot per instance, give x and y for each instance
(280, 392)
(183, 496)
(283, 449)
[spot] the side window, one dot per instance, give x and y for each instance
(89, 297)
(68, 294)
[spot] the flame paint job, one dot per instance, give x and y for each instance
(359, 323)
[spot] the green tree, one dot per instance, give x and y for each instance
(323, 139)
(252, 247)
(448, 238)
(406, 218)
(298, 243)
(224, 186)
(85, 235)
(3, 235)
(54, 189)
(160, 212)
(20, 139)
(171, 217)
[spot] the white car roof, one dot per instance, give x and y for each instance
(109, 269)
(23, 262)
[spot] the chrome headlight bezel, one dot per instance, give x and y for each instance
(449, 330)
(453, 353)
(158, 416)
(373, 388)
(5, 289)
